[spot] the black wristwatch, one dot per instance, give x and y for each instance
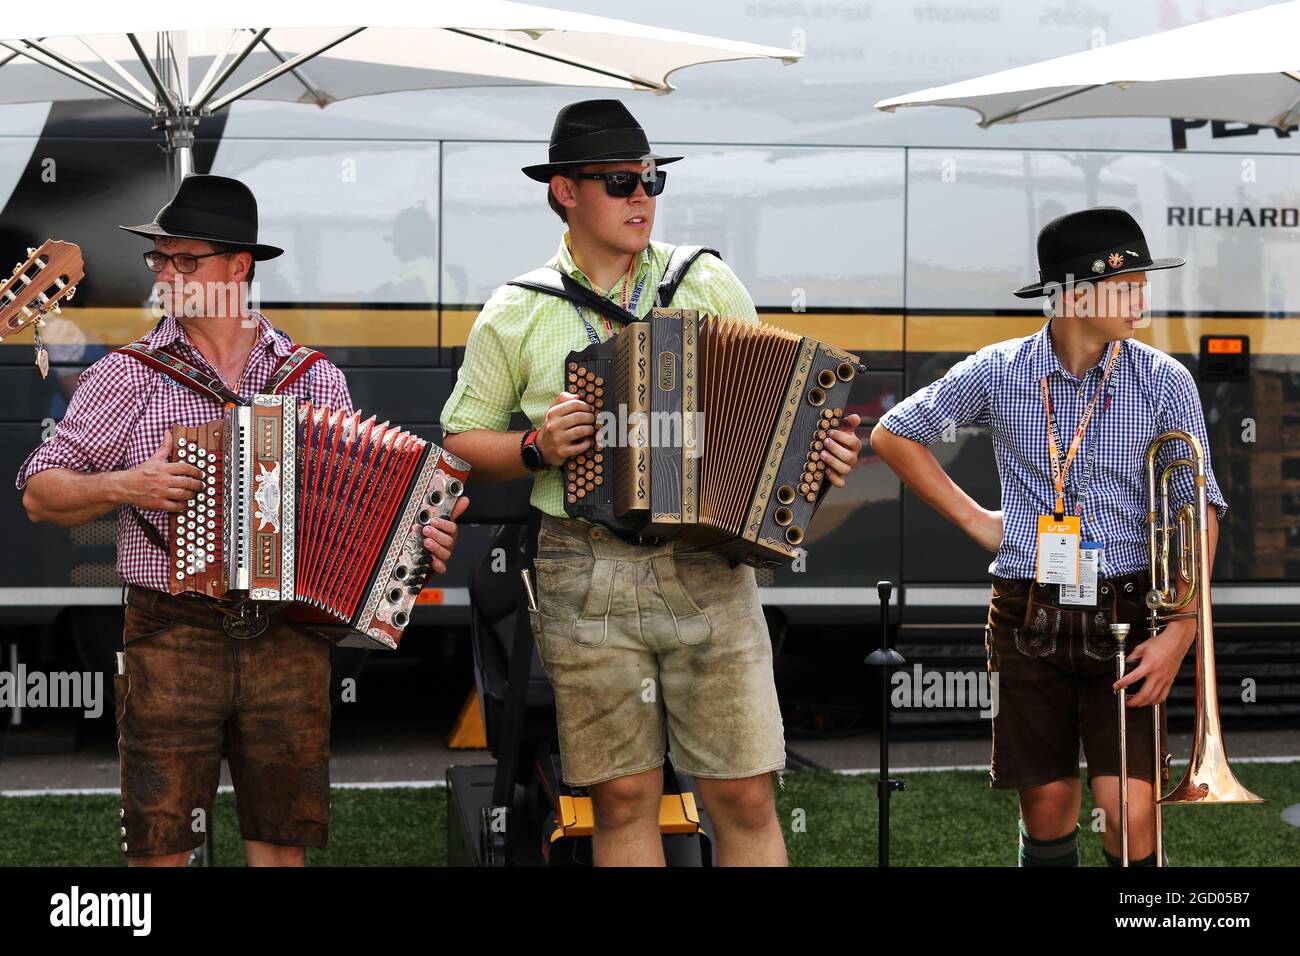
(530, 453)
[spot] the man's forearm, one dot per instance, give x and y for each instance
(494, 456)
(68, 498)
(920, 471)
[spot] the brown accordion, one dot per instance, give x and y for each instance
(315, 507)
(709, 429)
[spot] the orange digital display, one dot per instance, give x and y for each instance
(429, 596)
(1225, 346)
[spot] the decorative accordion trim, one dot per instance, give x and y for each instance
(385, 570)
(288, 492)
(767, 478)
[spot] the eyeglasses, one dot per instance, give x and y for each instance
(622, 182)
(182, 262)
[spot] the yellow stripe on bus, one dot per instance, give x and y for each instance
(316, 327)
(859, 332)
(1178, 336)
(846, 330)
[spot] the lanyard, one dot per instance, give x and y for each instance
(631, 307)
(1060, 471)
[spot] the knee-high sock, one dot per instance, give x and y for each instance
(1063, 851)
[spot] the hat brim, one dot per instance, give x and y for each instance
(542, 172)
(151, 230)
(1040, 288)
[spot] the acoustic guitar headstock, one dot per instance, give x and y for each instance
(49, 275)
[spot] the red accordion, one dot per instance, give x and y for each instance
(314, 507)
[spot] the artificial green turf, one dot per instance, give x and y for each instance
(948, 818)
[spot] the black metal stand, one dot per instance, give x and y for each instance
(886, 658)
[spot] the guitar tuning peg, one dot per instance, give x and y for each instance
(30, 250)
(71, 291)
(40, 323)
(57, 310)
(18, 267)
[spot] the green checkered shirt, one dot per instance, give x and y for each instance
(515, 352)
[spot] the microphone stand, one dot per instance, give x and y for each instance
(885, 658)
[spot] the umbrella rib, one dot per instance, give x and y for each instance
(116, 67)
(74, 72)
(209, 89)
(321, 98)
(283, 68)
(1288, 116)
(213, 68)
(1046, 101)
(163, 94)
(626, 77)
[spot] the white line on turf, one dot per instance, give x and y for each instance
(435, 784)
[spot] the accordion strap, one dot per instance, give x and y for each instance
(553, 282)
(290, 369)
(679, 262)
(182, 371)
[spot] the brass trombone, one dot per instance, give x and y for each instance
(1209, 779)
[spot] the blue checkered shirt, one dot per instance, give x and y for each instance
(998, 387)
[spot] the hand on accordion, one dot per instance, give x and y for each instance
(440, 539)
(567, 430)
(157, 484)
(841, 450)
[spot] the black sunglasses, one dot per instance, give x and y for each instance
(622, 182)
(182, 262)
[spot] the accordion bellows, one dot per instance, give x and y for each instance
(311, 506)
(708, 429)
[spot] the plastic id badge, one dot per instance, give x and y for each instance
(1091, 556)
(1058, 550)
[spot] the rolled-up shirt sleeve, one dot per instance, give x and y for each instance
(486, 393)
(93, 435)
(1182, 410)
(960, 398)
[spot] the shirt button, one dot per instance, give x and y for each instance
(597, 534)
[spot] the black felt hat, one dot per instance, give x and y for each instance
(1091, 244)
(594, 131)
(211, 208)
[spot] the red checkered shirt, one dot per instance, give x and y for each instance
(122, 409)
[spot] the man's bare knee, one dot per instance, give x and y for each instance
(624, 800)
(1050, 811)
(747, 803)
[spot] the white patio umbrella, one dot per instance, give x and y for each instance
(180, 64)
(1243, 68)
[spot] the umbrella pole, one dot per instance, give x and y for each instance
(175, 118)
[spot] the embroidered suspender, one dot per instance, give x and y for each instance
(285, 374)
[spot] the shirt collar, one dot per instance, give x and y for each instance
(169, 332)
(1043, 361)
(563, 261)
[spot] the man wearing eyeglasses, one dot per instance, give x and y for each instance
(679, 647)
(190, 685)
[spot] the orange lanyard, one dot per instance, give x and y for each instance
(1059, 471)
